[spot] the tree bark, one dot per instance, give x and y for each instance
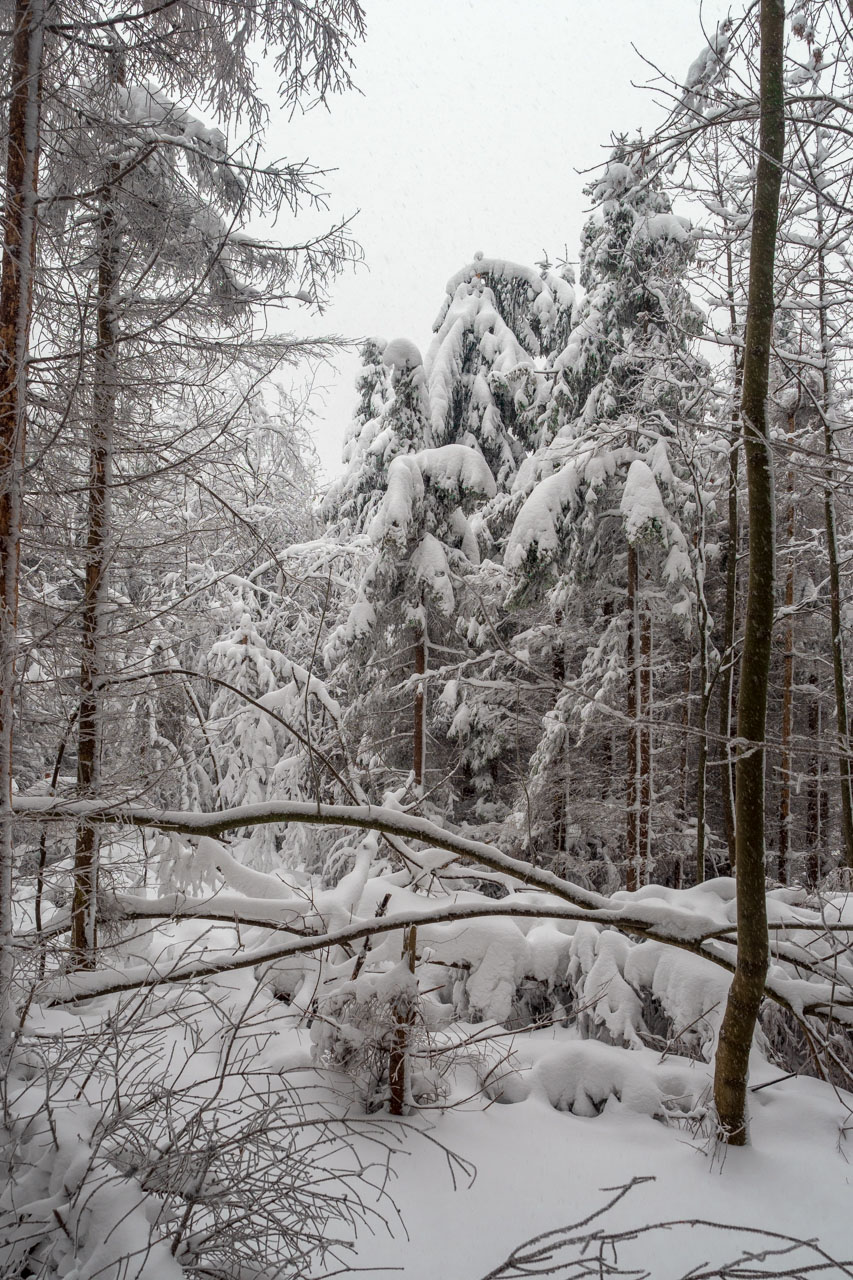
(399, 1088)
(419, 728)
(645, 831)
(558, 803)
(730, 613)
(813, 794)
(845, 777)
(684, 757)
(632, 825)
(702, 762)
(747, 989)
(19, 240)
(787, 680)
(90, 717)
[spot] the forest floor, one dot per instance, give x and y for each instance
(472, 1179)
(466, 1183)
(562, 1121)
(538, 1169)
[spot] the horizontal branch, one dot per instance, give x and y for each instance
(78, 987)
(364, 817)
(641, 918)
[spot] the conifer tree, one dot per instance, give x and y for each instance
(497, 319)
(406, 597)
(608, 504)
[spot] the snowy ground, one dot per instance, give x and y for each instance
(522, 1162)
(538, 1168)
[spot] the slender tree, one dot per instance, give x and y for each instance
(19, 246)
(747, 989)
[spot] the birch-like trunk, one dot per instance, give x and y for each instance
(747, 989)
(19, 241)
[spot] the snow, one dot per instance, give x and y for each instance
(212, 856)
(641, 504)
(538, 1168)
(471, 311)
(482, 266)
(662, 226)
(536, 526)
(401, 354)
(458, 470)
(454, 470)
(429, 565)
(610, 1080)
(404, 490)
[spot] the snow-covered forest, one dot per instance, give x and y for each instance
(446, 868)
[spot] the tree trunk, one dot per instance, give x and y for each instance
(90, 717)
(837, 638)
(702, 762)
(813, 814)
(632, 826)
(684, 759)
(419, 731)
(787, 681)
(727, 669)
(399, 1089)
(559, 800)
(19, 240)
(645, 831)
(745, 995)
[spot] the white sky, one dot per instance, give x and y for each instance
(473, 119)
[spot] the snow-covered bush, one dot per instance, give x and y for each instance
(160, 1144)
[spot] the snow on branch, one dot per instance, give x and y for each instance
(700, 921)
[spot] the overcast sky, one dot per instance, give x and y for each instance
(473, 120)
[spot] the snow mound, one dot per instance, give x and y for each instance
(586, 1077)
(401, 354)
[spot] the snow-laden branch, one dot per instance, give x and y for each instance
(364, 817)
(642, 916)
(800, 997)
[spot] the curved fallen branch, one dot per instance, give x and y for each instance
(365, 817)
(77, 987)
(638, 917)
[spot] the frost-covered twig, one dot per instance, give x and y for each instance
(584, 1249)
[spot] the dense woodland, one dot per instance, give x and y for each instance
(537, 717)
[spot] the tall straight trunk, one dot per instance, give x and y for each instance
(747, 989)
(632, 815)
(730, 609)
(403, 1014)
(19, 241)
(684, 760)
(814, 788)
(419, 725)
(787, 679)
(702, 761)
(837, 639)
(90, 716)
(560, 797)
(645, 820)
